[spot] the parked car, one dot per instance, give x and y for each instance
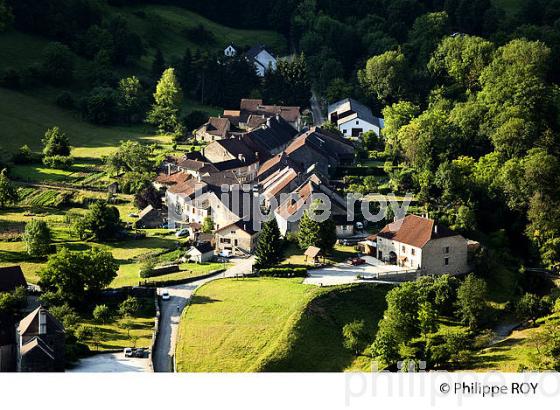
(225, 253)
(182, 232)
(139, 352)
(128, 352)
(356, 261)
(165, 295)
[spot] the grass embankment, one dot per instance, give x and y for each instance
(514, 353)
(268, 324)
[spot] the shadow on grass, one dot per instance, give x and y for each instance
(202, 300)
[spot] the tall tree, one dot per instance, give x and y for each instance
(55, 142)
(8, 192)
(385, 76)
(471, 301)
(37, 238)
(168, 97)
(72, 275)
(101, 222)
(269, 245)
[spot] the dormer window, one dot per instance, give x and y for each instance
(42, 322)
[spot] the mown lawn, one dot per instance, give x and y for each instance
(294, 255)
(235, 325)
(270, 324)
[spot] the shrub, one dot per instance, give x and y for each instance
(58, 162)
(287, 271)
(65, 100)
(129, 307)
(102, 313)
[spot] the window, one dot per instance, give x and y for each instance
(403, 249)
(446, 261)
(412, 251)
(344, 131)
(446, 250)
(357, 122)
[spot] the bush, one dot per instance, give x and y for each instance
(24, 156)
(58, 161)
(102, 313)
(129, 307)
(287, 271)
(65, 100)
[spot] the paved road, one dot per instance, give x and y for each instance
(111, 363)
(170, 315)
(316, 109)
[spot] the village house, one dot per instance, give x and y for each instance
(353, 118)
(230, 50)
(421, 243)
(262, 58)
(238, 238)
(40, 343)
(201, 252)
(11, 278)
(290, 211)
(150, 218)
(253, 113)
(215, 128)
(322, 149)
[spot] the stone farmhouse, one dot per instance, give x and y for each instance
(421, 243)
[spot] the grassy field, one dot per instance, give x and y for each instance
(235, 325)
(170, 22)
(268, 324)
(294, 255)
(514, 352)
(316, 343)
(114, 336)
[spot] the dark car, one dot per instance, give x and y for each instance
(356, 261)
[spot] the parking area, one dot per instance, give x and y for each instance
(112, 363)
(343, 273)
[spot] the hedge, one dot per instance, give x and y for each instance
(159, 271)
(284, 272)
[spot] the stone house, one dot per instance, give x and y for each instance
(421, 243)
(215, 128)
(238, 238)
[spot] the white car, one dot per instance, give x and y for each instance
(127, 352)
(165, 295)
(182, 232)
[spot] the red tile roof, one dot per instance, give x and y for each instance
(414, 230)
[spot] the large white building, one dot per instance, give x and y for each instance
(262, 58)
(420, 243)
(353, 118)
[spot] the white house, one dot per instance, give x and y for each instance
(201, 252)
(262, 58)
(353, 118)
(420, 243)
(230, 51)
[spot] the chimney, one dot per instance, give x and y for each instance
(435, 229)
(269, 121)
(168, 169)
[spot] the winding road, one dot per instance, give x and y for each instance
(171, 310)
(316, 109)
